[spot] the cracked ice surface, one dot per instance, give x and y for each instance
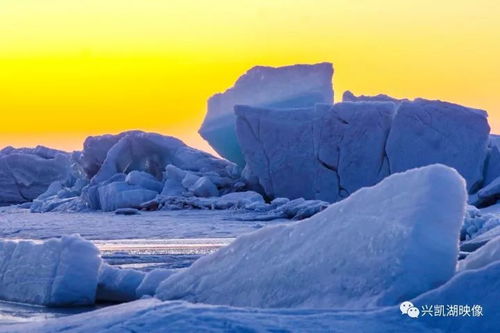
(330, 151)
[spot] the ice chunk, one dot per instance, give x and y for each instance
(324, 153)
(140, 151)
(477, 223)
(90, 194)
(251, 205)
(362, 252)
(350, 140)
(279, 208)
(145, 180)
(146, 162)
(495, 140)
(251, 180)
(350, 97)
(235, 200)
(329, 152)
(173, 181)
(299, 208)
(481, 239)
(203, 187)
(40, 151)
(122, 195)
(279, 202)
(425, 132)
(152, 315)
(488, 195)
(492, 165)
(484, 256)
(189, 180)
(26, 173)
(61, 196)
(281, 87)
(55, 204)
(152, 280)
(151, 152)
(238, 199)
(476, 289)
(118, 285)
(95, 149)
(282, 168)
(56, 272)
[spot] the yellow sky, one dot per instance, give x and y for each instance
(69, 68)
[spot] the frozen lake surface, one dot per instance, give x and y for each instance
(140, 254)
(14, 313)
(147, 254)
(170, 239)
(20, 223)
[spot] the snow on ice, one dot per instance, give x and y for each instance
(340, 258)
(473, 288)
(151, 315)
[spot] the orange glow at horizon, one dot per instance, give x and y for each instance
(69, 69)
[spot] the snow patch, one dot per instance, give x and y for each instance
(363, 252)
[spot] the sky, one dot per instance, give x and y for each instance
(70, 69)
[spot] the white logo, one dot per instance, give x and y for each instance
(441, 310)
(410, 310)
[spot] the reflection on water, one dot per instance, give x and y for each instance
(13, 313)
(148, 254)
(163, 246)
(141, 254)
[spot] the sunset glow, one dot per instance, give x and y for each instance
(69, 69)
